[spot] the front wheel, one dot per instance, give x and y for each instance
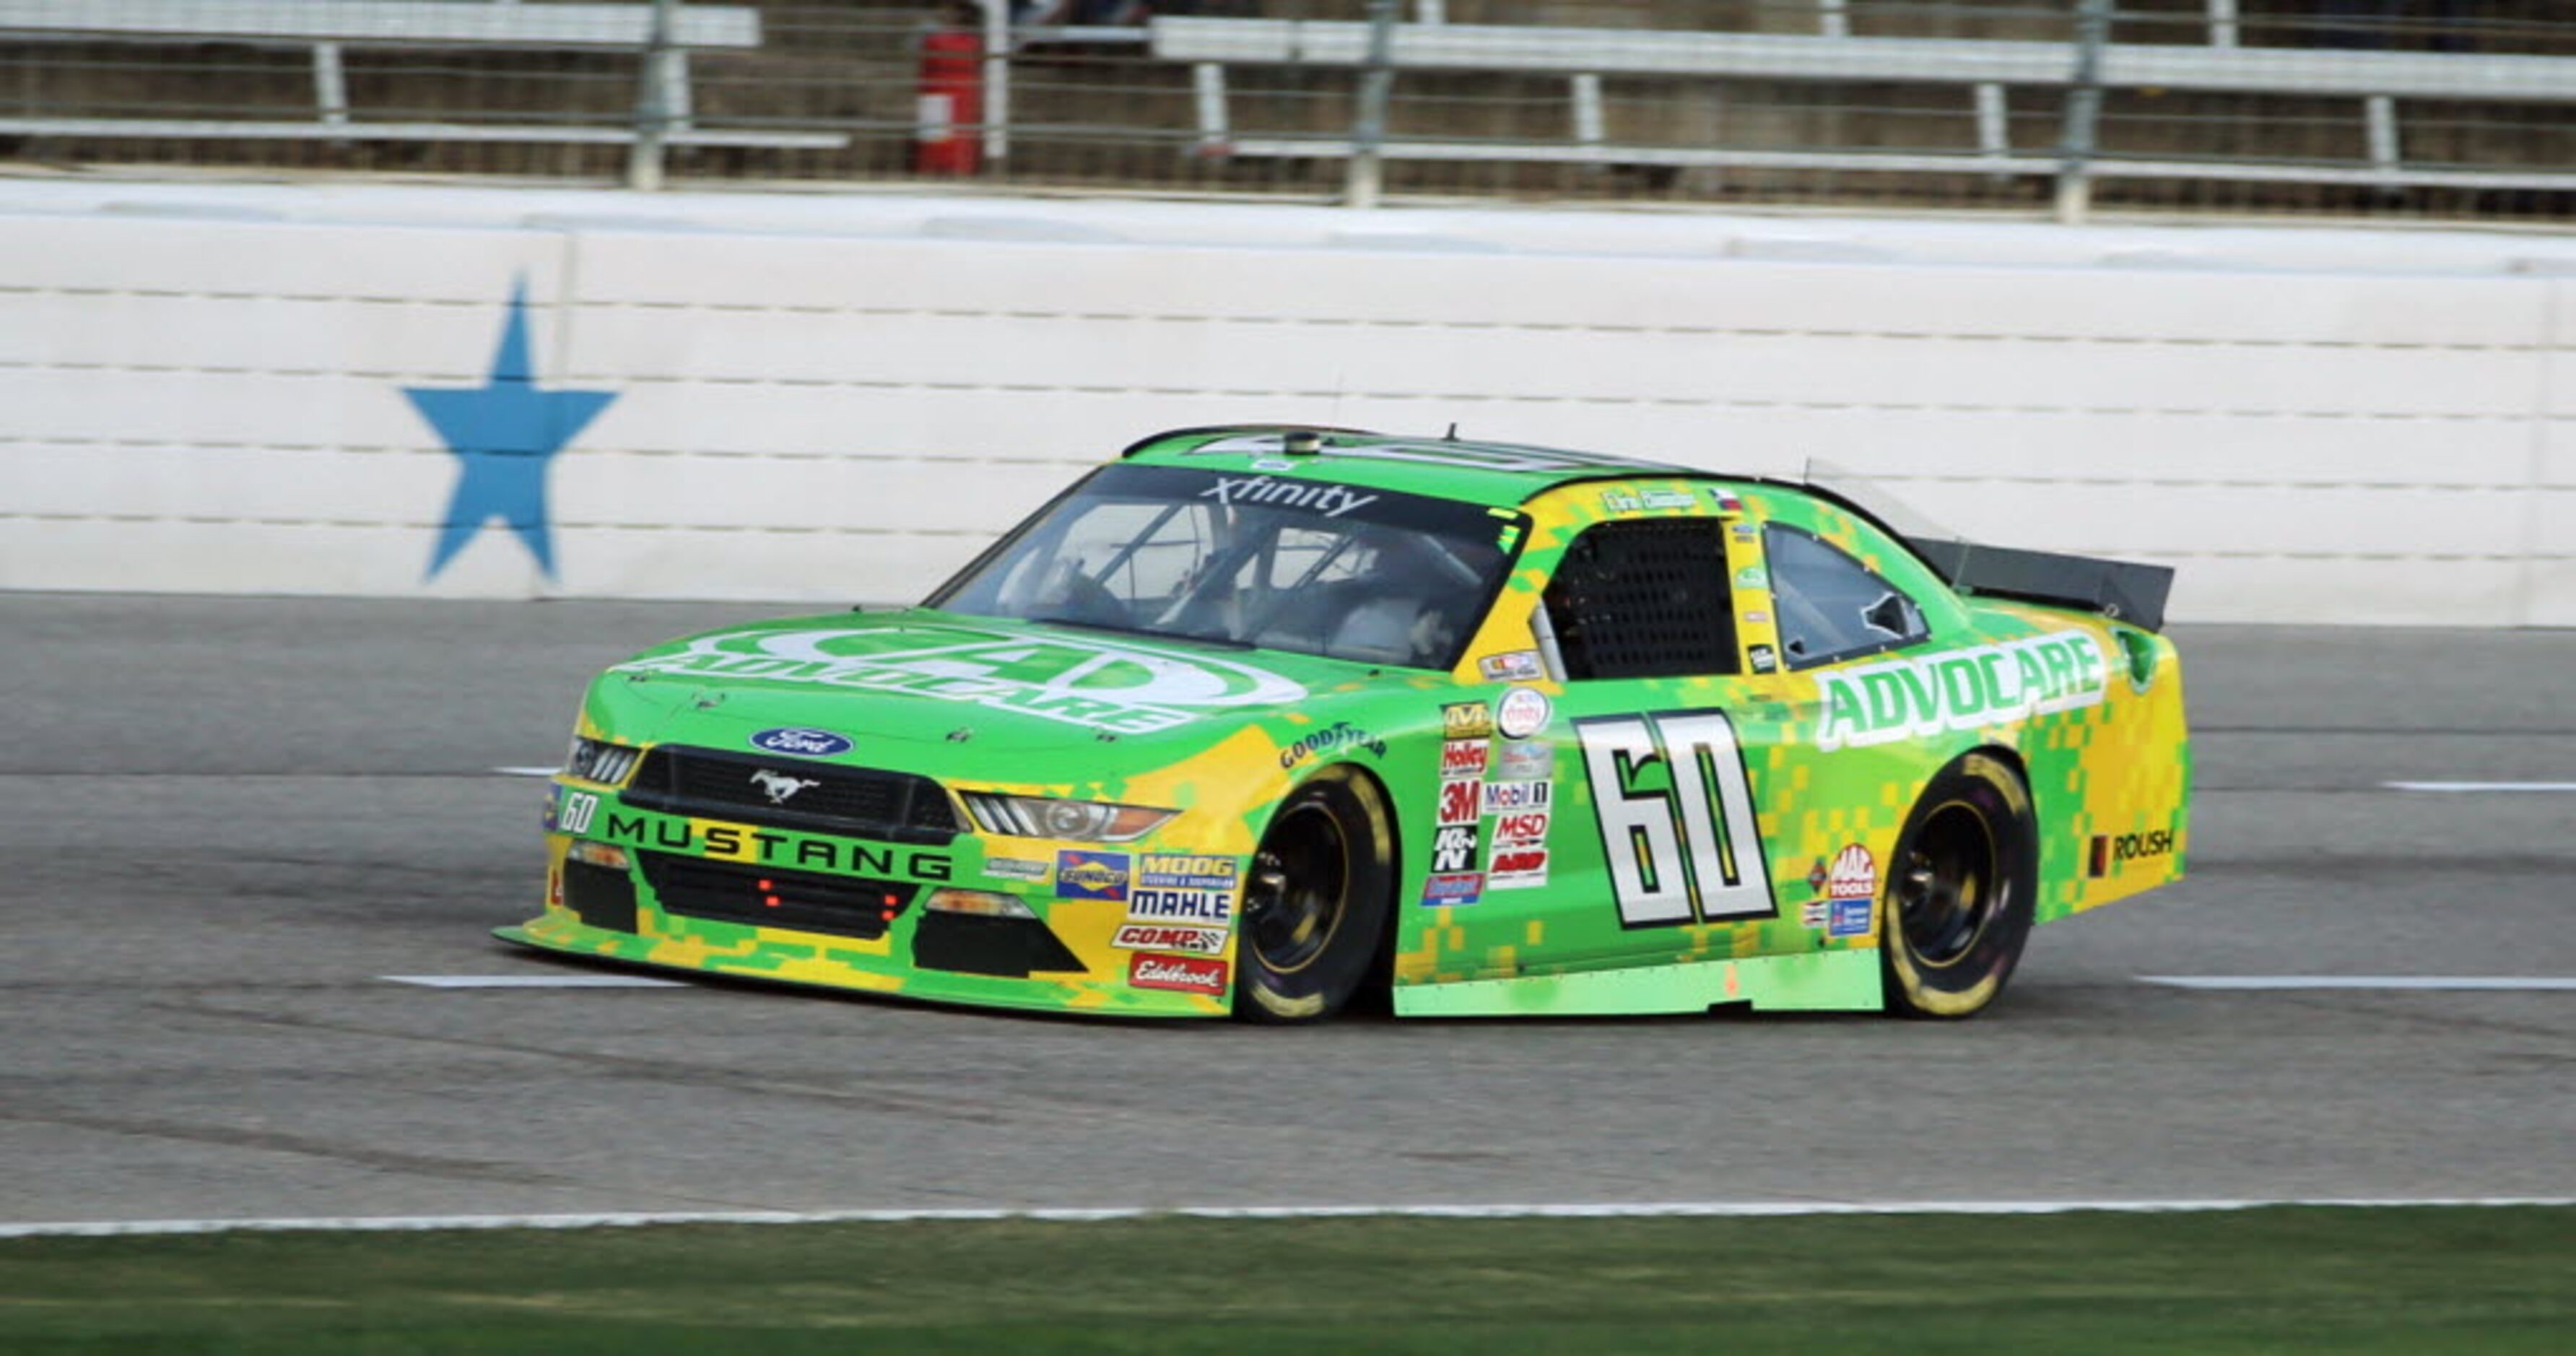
(1314, 908)
(1958, 902)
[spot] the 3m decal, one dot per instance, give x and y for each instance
(1167, 937)
(579, 807)
(1523, 712)
(1186, 871)
(804, 742)
(1461, 802)
(1091, 875)
(1676, 817)
(1527, 828)
(1454, 849)
(1511, 666)
(1096, 684)
(2109, 852)
(1464, 757)
(1963, 690)
(1456, 888)
(1180, 906)
(1466, 720)
(1525, 761)
(1182, 974)
(1505, 797)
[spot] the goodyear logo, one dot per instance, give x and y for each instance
(1091, 875)
(1962, 690)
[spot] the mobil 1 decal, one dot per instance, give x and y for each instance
(1676, 817)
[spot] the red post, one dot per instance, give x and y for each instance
(949, 138)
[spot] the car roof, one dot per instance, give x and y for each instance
(1493, 473)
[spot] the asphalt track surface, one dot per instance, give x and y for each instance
(224, 820)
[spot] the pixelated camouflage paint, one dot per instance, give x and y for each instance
(2120, 766)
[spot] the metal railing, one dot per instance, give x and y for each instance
(2374, 107)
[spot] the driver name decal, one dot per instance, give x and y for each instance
(1962, 690)
(1122, 688)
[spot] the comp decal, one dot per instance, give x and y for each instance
(1169, 937)
(1962, 690)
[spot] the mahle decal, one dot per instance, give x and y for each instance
(1962, 690)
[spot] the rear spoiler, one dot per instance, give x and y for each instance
(2118, 589)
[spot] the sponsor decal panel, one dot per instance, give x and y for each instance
(1619, 501)
(1453, 849)
(1752, 577)
(1522, 712)
(580, 807)
(1464, 757)
(1169, 937)
(1090, 875)
(1018, 868)
(1851, 883)
(1461, 801)
(1466, 720)
(2109, 851)
(1152, 905)
(1096, 684)
(1815, 913)
(1181, 974)
(1505, 797)
(1765, 659)
(1962, 690)
(1186, 871)
(1525, 760)
(1450, 888)
(803, 742)
(1522, 828)
(1511, 666)
(1850, 918)
(1518, 868)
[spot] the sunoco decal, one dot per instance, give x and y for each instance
(1080, 682)
(1963, 690)
(1090, 875)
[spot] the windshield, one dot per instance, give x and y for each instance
(1278, 562)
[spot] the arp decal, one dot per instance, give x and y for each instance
(1520, 868)
(1091, 875)
(1676, 818)
(1184, 974)
(1962, 690)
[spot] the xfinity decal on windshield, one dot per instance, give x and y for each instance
(1332, 501)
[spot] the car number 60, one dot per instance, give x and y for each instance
(1684, 852)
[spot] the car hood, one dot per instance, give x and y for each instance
(922, 677)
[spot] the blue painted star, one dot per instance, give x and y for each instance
(506, 432)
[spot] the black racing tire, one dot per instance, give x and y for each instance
(1957, 906)
(1315, 905)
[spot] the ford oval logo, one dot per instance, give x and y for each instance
(798, 740)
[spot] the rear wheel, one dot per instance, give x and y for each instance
(1314, 908)
(1960, 891)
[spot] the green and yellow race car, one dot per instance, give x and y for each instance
(1259, 720)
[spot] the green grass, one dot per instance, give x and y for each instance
(2274, 1280)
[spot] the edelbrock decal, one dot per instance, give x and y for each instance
(1962, 690)
(804, 742)
(1098, 684)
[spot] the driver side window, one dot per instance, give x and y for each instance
(1829, 605)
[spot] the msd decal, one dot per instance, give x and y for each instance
(1181, 974)
(1528, 828)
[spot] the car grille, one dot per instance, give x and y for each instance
(760, 896)
(826, 797)
(599, 896)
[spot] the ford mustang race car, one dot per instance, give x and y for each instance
(1256, 720)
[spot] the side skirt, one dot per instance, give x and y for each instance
(1823, 981)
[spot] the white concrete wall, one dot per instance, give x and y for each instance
(836, 399)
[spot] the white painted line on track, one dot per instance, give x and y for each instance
(2468, 787)
(537, 981)
(527, 771)
(1084, 1215)
(2488, 982)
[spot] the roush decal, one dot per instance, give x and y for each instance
(1962, 690)
(1181, 974)
(803, 742)
(2109, 851)
(1095, 684)
(1168, 937)
(1091, 875)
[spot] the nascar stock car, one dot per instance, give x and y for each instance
(1255, 720)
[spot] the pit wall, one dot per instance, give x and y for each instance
(211, 389)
